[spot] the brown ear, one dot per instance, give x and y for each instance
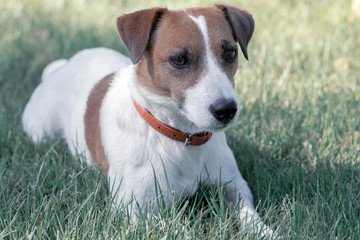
(242, 24)
(135, 30)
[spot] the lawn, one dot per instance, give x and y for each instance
(297, 140)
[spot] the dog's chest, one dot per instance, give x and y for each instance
(155, 158)
(180, 169)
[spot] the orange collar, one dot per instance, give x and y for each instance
(196, 139)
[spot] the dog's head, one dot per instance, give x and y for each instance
(190, 56)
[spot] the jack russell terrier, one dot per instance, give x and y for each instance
(162, 116)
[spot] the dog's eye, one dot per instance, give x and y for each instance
(230, 55)
(179, 61)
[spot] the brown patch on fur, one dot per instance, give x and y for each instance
(135, 30)
(92, 120)
(175, 34)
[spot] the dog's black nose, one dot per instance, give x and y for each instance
(224, 110)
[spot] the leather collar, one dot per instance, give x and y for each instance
(196, 139)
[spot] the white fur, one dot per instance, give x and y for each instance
(52, 67)
(213, 85)
(134, 150)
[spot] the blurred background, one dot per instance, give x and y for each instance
(297, 140)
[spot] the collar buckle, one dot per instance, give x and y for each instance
(188, 140)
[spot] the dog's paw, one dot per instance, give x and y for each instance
(180, 230)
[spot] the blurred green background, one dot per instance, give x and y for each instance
(297, 140)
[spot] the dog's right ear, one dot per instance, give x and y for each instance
(136, 28)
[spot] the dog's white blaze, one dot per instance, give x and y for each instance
(212, 86)
(201, 23)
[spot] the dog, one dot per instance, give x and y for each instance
(160, 113)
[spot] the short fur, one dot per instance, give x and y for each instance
(68, 101)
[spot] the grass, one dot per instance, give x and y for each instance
(297, 140)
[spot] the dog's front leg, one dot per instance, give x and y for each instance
(238, 192)
(224, 170)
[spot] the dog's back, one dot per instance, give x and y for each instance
(63, 91)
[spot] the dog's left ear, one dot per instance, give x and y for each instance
(242, 24)
(136, 28)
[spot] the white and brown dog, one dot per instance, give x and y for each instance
(162, 116)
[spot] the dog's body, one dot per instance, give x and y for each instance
(184, 65)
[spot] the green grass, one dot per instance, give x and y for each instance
(297, 140)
